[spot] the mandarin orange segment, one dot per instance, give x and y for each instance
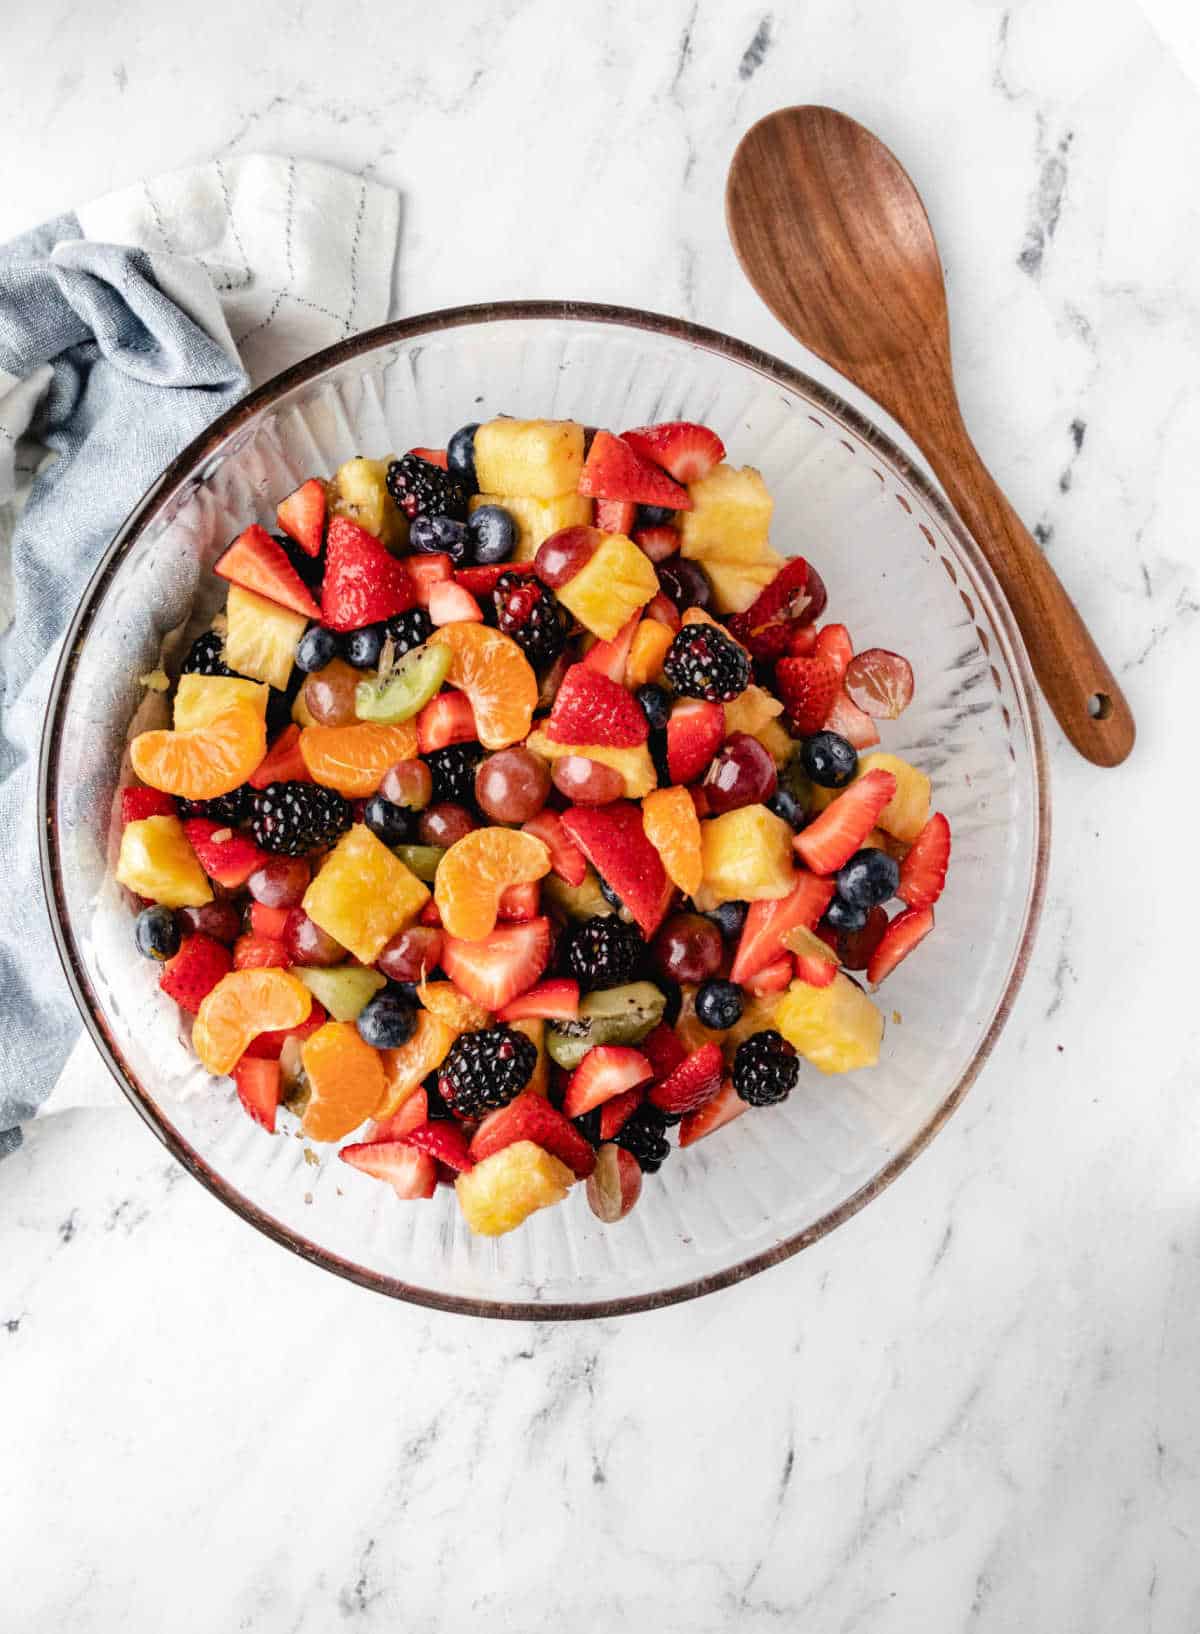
(346, 1078)
(240, 1007)
(476, 871)
(496, 676)
(673, 829)
(444, 1000)
(406, 1069)
(364, 894)
(353, 759)
(205, 762)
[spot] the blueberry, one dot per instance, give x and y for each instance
(460, 459)
(156, 934)
(389, 823)
(828, 759)
(362, 648)
(869, 878)
(388, 1020)
(493, 534)
(655, 703)
(440, 533)
(719, 1004)
(318, 647)
(729, 918)
(784, 804)
(653, 516)
(842, 915)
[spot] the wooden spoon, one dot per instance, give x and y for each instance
(833, 235)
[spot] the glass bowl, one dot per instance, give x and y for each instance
(901, 572)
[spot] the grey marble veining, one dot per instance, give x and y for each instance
(974, 1407)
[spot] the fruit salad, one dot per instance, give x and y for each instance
(523, 817)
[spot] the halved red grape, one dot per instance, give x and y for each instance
(880, 683)
(565, 554)
(855, 947)
(688, 948)
(408, 783)
(410, 953)
(743, 774)
(586, 782)
(685, 582)
(329, 694)
(444, 824)
(307, 943)
(222, 920)
(818, 596)
(280, 883)
(511, 786)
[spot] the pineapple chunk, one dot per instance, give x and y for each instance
(363, 894)
(751, 710)
(534, 1029)
(537, 519)
(618, 580)
(737, 585)
(747, 857)
(726, 530)
(199, 699)
(262, 637)
(537, 459)
(907, 812)
(156, 861)
(634, 765)
(776, 741)
(583, 901)
(359, 491)
(837, 1027)
(506, 1188)
(650, 645)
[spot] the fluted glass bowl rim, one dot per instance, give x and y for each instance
(194, 457)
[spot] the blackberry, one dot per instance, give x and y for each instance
(204, 656)
(603, 952)
(642, 1134)
(704, 662)
(438, 1109)
(421, 489)
(292, 818)
(486, 1070)
(409, 630)
(233, 808)
(765, 1069)
(588, 1125)
(453, 772)
(531, 615)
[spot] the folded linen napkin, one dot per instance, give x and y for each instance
(124, 329)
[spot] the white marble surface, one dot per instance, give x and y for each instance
(975, 1405)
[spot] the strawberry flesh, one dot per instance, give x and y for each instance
(725, 1105)
(282, 763)
(258, 1083)
(446, 719)
(688, 451)
(302, 516)
(590, 708)
(495, 970)
(139, 802)
(850, 722)
(606, 1070)
(259, 563)
(614, 842)
(767, 923)
(229, 860)
(610, 657)
(445, 1142)
(615, 1114)
(833, 837)
(364, 583)
(566, 859)
(695, 731)
(531, 1117)
(410, 1173)
(615, 515)
(663, 1051)
(898, 940)
(923, 871)
(693, 1082)
(833, 641)
(807, 688)
(614, 470)
(195, 970)
(768, 624)
(556, 1000)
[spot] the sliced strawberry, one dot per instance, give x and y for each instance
(519, 903)
(426, 571)
(767, 923)
(606, 1070)
(613, 470)
(566, 859)
(531, 1117)
(923, 871)
(898, 940)
(225, 854)
(445, 1142)
(431, 456)
(449, 603)
(251, 952)
(495, 970)
(615, 515)
(807, 688)
(258, 1083)
(772, 978)
(615, 1114)
(302, 516)
(266, 921)
(880, 683)
(833, 641)
(411, 1174)
(259, 563)
(614, 842)
(609, 657)
(665, 611)
(849, 721)
(139, 802)
(725, 1105)
(555, 1000)
(768, 624)
(282, 763)
(269, 1046)
(815, 969)
(686, 450)
(832, 838)
(802, 642)
(856, 948)
(195, 970)
(590, 708)
(663, 1051)
(659, 542)
(695, 731)
(412, 1113)
(446, 719)
(693, 1082)
(364, 583)
(481, 581)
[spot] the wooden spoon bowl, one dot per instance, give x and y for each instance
(832, 233)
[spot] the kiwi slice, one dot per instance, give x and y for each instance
(344, 990)
(615, 1015)
(585, 901)
(403, 686)
(422, 860)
